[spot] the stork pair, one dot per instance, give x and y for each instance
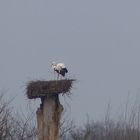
(60, 69)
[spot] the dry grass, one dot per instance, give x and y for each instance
(38, 89)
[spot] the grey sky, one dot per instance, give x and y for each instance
(99, 41)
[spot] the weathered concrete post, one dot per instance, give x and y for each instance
(40, 124)
(50, 110)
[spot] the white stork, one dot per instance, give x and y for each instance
(59, 68)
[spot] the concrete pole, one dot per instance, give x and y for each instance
(48, 118)
(40, 123)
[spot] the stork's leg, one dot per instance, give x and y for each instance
(58, 76)
(54, 74)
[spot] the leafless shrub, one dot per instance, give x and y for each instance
(126, 127)
(14, 127)
(65, 127)
(23, 127)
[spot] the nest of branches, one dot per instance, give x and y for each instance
(38, 89)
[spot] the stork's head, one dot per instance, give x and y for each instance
(53, 63)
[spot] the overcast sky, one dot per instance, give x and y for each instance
(98, 40)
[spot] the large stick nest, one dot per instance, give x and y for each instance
(38, 89)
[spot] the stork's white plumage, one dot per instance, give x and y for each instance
(60, 69)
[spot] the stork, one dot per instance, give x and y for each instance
(59, 68)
